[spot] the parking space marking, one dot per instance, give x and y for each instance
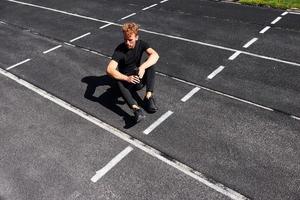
(233, 56)
(128, 16)
(164, 1)
(285, 13)
(133, 141)
(149, 7)
(106, 25)
(265, 29)
(52, 49)
(20, 63)
(214, 73)
(82, 36)
(157, 122)
(294, 117)
(276, 20)
(294, 13)
(250, 42)
(100, 173)
(190, 94)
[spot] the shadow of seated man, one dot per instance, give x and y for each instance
(110, 98)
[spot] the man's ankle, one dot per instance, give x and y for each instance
(135, 107)
(148, 95)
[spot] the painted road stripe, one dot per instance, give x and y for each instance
(106, 25)
(265, 29)
(149, 7)
(52, 49)
(82, 36)
(276, 20)
(285, 13)
(295, 13)
(294, 117)
(58, 11)
(250, 42)
(233, 56)
(100, 173)
(133, 141)
(214, 73)
(158, 122)
(190, 94)
(164, 1)
(166, 35)
(128, 16)
(20, 63)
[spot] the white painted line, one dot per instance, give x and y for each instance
(2, 22)
(190, 94)
(250, 42)
(149, 7)
(285, 13)
(214, 73)
(265, 29)
(294, 117)
(217, 92)
(20, 63)
(133, 141)
(106, 25)
(233, 56)
(276, 20)
(158, 122)
(128, 16)
(100, 173)
(59, 11)
(52, 49)
(294, 13)
(82, 36)
(164, 35)
(164, 1)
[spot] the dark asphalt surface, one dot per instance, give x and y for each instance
(51, 153)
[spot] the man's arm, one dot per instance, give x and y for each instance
(112, 71)
(152, 59)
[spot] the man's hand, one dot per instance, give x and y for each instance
(133, 79)
(141, 72)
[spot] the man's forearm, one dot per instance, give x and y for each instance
(152, 60)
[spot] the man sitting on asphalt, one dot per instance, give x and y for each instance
(125, 66)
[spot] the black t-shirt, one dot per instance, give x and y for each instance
(129, 59)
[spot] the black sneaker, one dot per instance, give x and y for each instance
(138, 115)
(150, 105)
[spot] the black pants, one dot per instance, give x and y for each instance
(127, 89)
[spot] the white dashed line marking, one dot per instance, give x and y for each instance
(52, 49)
(285, 13)
(100, 173)
(233, 56)
(294, 13)
(20, 63)
(250, 42)
(214, 73)
(276, 20)
(190, 94)
(128, 16)
(158, 122)
(265, 29)
(106, 25)
(164, 1)
(149, 7)
(82, 36)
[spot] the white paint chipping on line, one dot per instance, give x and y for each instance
(100, 173)
(106, 25)
(285, 13)
(128, 16)
(79, 37)
(144, 147)
(158, 122)
(233, 56)
(250, 42)
(164, 1)
(167, 35)
(265, 29)
(52, 49)
(214, 73)
(20, 63)
(190, 94)
(276, 20)
(149, 7)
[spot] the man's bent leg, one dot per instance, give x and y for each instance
(149, 79)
